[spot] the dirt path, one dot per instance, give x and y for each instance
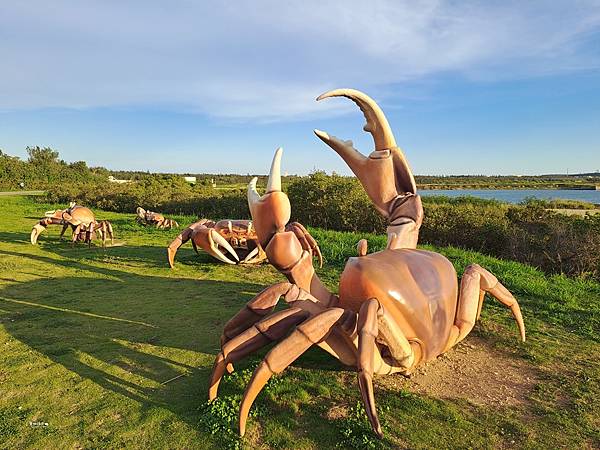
(472, 371)
(576, 212)
(8, 193)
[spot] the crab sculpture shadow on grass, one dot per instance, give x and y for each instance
(82, 222)
(396, 309)
(233, 241)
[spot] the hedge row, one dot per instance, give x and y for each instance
(528, 233)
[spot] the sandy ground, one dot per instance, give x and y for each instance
(473, 371)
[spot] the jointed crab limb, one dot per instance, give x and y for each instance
(254, 256)
(306, 240)
(181, 239)
(288, 247)
(271, 328)
(257, 308)
(475, 281)
(39, 227)
(370, 172)
(367, 333)
(105, 229)
(339, 343)
(304, 336)
(64, 229)
(89, 233)
(384, 174)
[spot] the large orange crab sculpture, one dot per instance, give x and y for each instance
(236, 237)
(396, 308)
(153, 218)
(80, 219)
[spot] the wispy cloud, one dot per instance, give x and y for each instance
(267, 60)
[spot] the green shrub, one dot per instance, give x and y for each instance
(528, 233)
(333, 202)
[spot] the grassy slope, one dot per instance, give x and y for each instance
(87, 338)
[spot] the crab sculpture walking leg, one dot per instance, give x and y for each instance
(86, 232)
(365, 326)
(105, 230)
(167, 224)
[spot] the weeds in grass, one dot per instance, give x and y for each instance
(356, 430)
(219, 417)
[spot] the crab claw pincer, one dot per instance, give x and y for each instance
(35, 232)
(385, 173)
(270, 212)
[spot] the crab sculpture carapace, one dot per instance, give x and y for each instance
(153, 218)
(82, 222)
(395, 309)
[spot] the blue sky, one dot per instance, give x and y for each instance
(469, 87)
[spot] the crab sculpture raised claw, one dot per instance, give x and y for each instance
(396, 308)
(82, 222)
(153, 218)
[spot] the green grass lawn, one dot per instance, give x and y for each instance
(112, 349)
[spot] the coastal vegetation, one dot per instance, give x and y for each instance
(112, 349)
(532, 232)
(44, 168)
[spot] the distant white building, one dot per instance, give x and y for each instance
(115, 180)
(191, 180)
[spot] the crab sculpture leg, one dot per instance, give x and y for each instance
(167, 223)
(290, 248)
(381, 322)
(105, 230)
(87, 232)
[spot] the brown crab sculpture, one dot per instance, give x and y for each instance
(82, 222)
(236, 237)
(396, 308)
(153, 218)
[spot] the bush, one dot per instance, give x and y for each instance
(558, 203)
(528, 232)
(167, 194)
(333, 202)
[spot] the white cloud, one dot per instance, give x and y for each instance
(268, 60)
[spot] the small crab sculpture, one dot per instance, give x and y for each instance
(395, 309)
(82, 222)
(153, 218)
(236, 237)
